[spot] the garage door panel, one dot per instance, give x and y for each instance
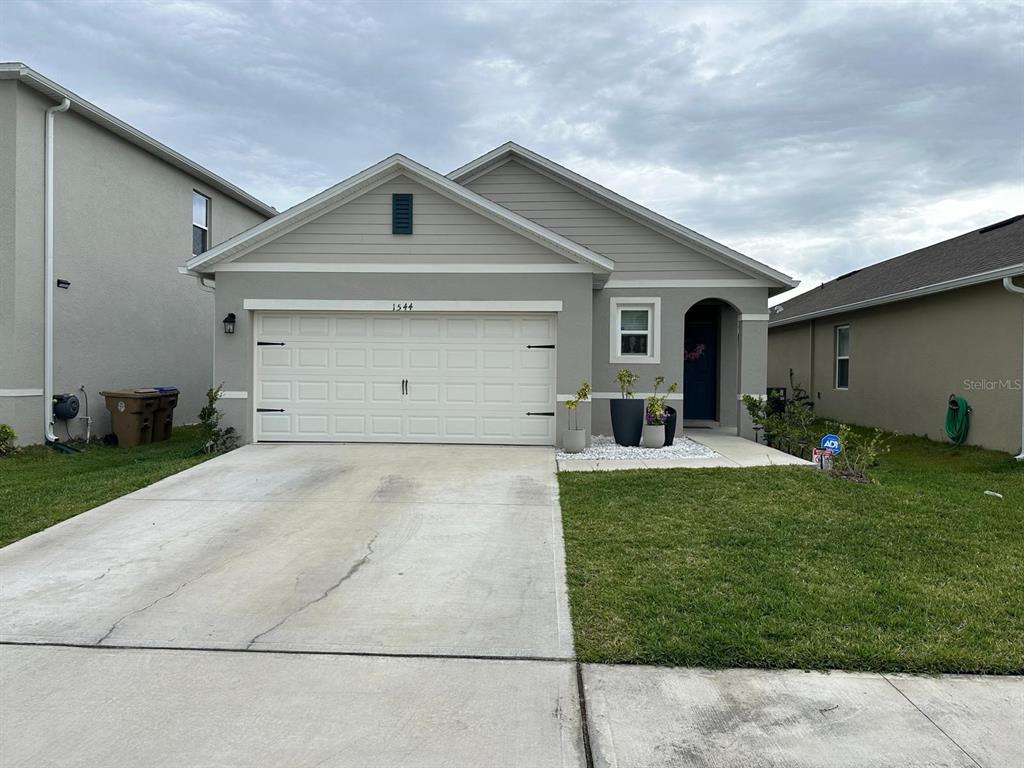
(470, 379)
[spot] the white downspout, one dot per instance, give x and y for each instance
(48, 277)
(1009, 285)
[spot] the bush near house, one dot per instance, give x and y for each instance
(784, 567)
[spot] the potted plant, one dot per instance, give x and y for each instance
(655, 416)
(575, 439)
(627, 413)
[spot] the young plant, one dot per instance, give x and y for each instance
(861, 451)
(7, 438)
(627, 379)
(583, 393)
(656, 408)
(217, 439)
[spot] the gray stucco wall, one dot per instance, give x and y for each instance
(122, 227)
(907, 358)
(234, 362)
(742, 356)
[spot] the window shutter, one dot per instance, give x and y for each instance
(401, 214)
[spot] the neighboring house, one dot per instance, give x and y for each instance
(125, 208)
(887, 345)
(403, 305)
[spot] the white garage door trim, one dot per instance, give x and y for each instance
(345, 305)
(404, 376)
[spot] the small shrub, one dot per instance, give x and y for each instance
(788, 425)
(7, 438)
(582, 394)
(626, 379)
(217, 439)
(655, 412)
(861, 451)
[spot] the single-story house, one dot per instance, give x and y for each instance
(888, 345)
(402, 305)
(104, 285)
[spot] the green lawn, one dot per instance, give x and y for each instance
(783, 567)
(40, 487)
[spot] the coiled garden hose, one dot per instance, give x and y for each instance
(958, 420)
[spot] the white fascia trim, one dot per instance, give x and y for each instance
(313, 266)
(375, 175)
(36, 81)
(654, 332)
(234, 394)
(31, 392)
(343, 305)
(759, 318)
(693, 283)
(948, 285)
(465, 174)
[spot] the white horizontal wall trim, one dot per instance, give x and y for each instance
(234, 394)
(756, 397)
(637, 395)
(371, 267)
(386, 305)
(691, 283)
(21, 393)
(762, 318)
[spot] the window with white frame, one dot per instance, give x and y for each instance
(842, 357)
(200, 223)
(635, 330)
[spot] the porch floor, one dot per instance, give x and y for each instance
(732, 450)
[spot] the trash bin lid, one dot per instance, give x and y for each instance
(130, 393)
(167, 390)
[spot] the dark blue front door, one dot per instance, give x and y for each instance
(700, 364)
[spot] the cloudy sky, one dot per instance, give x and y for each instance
(816, 137)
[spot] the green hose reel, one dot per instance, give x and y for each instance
(958, 419)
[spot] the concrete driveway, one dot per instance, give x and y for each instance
(354, 548)
(343, 605)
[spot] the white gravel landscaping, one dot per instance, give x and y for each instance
(605, 448)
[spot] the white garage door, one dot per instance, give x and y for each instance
(405, 377)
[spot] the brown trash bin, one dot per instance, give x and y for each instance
(131, 414)
(163, 416)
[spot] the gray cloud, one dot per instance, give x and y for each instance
(815, 137)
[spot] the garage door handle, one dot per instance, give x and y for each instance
(269, 343)
(270, 410)
(540, 413)
(540, 346)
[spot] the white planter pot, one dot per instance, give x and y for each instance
(654, 436)
(574, 440)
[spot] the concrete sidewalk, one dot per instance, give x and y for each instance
(732, 450)
(655, 717)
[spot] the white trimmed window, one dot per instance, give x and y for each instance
(200, 223)
(635, 331)
(842, 357)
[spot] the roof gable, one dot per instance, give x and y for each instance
(989, 253)
(704, 245)
(382, 172)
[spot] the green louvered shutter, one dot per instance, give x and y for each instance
(401, 213)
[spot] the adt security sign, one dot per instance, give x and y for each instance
(831, 443)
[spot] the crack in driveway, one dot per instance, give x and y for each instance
(353, 569)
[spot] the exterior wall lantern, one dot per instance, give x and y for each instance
(229, 323)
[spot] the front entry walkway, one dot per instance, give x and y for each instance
(724, 449)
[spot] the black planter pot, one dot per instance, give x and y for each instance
(627, 420)
(670, 424)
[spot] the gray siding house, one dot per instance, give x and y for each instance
(887, 345)
(402, 305)
(122, 216)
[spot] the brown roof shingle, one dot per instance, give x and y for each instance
(994, 247)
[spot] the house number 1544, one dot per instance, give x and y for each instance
(401, 307)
